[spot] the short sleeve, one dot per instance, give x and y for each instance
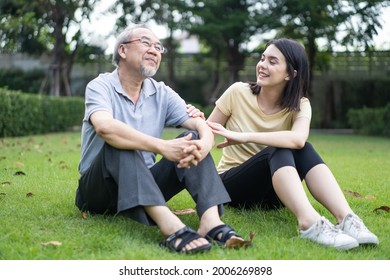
(305, 109)
(97, 98)
(224, 103)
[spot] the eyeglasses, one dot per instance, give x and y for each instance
(146, 42)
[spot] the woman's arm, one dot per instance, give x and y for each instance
(294, 138)
(217, 116)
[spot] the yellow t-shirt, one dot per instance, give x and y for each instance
(240, 105)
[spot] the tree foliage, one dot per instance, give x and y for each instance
(226, 25)
(20, 28)
(223, 26)
(45, 26)
(337, 22)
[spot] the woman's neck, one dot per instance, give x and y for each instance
(268, 101)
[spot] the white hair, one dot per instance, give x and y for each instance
(124, 36)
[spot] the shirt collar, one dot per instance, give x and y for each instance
(148, 88)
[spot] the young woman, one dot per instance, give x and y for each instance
(266, 154)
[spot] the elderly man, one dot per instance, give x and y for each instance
(126, 112)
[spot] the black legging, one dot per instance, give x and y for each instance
(250, 184)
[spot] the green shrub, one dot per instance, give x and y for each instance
(370, 121)
(372, 93)
(18, 79)
(25, 114)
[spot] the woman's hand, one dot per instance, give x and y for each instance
(194, 112)
(231, 137)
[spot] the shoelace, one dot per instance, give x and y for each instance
(328, 228)
(356, 224)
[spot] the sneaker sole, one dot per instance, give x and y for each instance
(348, 246)
(368, 241)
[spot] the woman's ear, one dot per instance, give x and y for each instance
(288, 76)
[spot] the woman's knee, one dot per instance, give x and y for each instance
(281, 158)
(306, 159)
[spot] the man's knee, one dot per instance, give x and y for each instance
(195, 134)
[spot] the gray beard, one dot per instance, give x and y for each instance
(147, 72)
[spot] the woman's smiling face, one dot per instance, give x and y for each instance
(271, 70)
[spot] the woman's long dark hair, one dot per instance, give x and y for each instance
(298, 86)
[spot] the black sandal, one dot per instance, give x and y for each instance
(226, 231)
(187, 235)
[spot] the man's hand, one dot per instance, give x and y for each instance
(195, 153)
(184, 151)
(192, 157)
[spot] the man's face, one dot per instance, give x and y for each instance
(143, 51)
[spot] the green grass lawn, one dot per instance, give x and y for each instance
(38, 179)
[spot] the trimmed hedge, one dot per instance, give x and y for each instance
(26, 114)
(370, 121)
(18, 79)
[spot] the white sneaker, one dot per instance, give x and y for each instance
(354, 226)
(323, 232)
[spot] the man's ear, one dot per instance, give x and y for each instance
(122, 52)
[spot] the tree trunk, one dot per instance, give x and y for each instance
(171, 61)
(217, 82)
(312, 50)
(59, 75)
(236, 62)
